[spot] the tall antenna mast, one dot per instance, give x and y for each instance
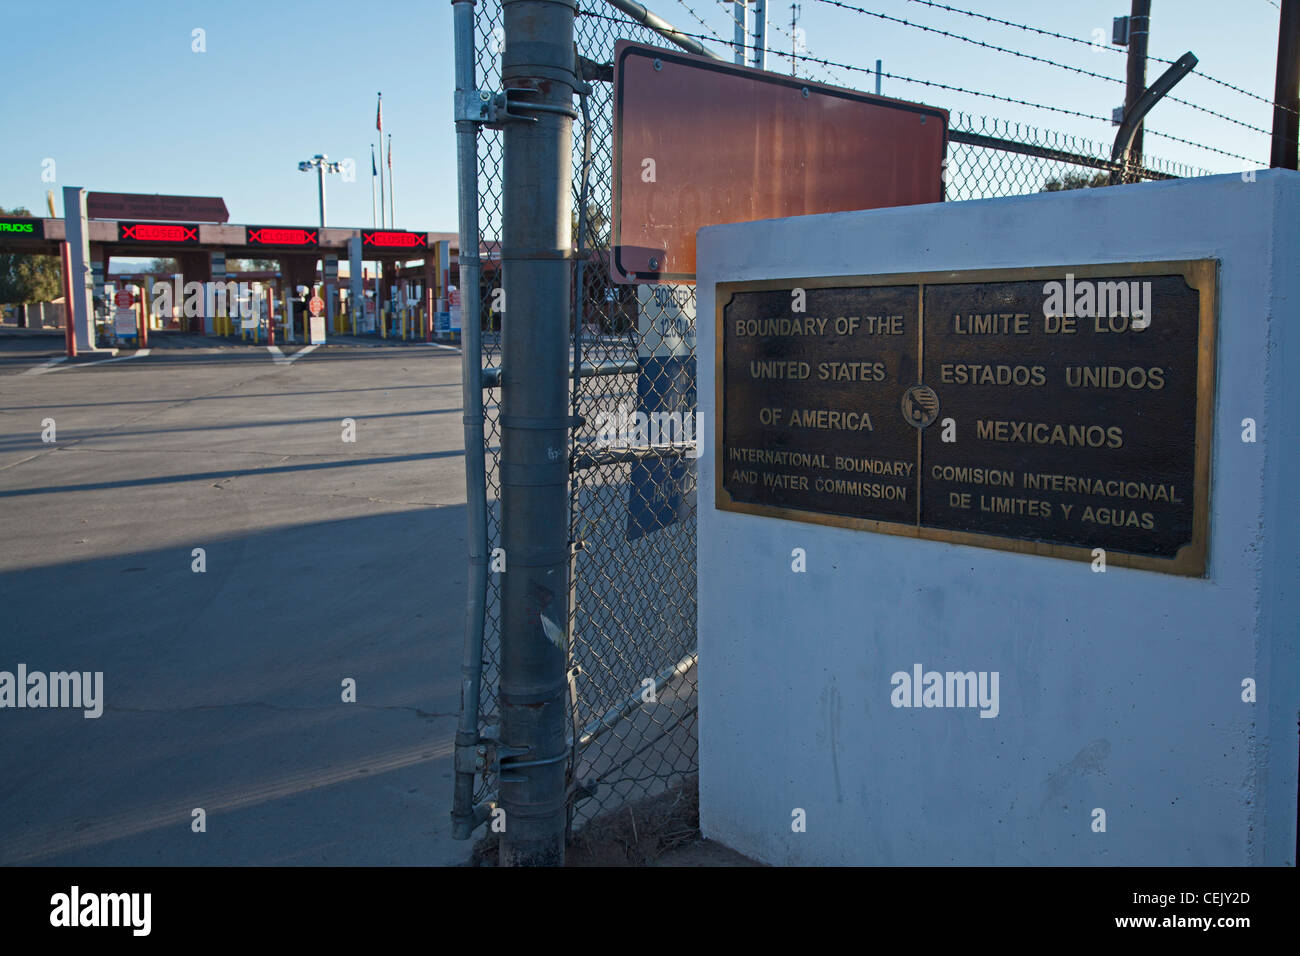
(795, 10)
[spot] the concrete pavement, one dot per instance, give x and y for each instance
(325, 560)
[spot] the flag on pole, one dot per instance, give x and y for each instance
(390, 152)
(379, 114)
(374, 171)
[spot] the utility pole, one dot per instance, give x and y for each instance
(1286, 94)
(1139, 28)
(537, 67)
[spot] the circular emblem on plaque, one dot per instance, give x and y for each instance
(920, 405)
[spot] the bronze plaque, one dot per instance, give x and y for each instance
(1049, 410)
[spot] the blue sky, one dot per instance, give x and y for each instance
(114, 94)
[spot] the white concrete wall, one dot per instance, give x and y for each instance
(1119, 690)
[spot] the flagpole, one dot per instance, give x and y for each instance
(392, 190)
(379, 125)
(379, 279)
(373, 221)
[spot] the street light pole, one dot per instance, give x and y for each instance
(320, 162)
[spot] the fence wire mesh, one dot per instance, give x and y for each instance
(633, 499)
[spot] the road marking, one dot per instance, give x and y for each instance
(51, 367)
(44, 366)
(137, 820)
(439, 345)
(281, 359)
(140, 353)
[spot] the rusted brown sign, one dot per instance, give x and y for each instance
(698, 142)
(147, 206)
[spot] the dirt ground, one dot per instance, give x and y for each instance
(662, 830)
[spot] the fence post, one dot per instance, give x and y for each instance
(1286, 101)
(464, 815)
(1139, 29)
(537, 68)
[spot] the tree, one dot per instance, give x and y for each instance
(1076, 181)
(166, 267)
(25, 277)
(252, 265)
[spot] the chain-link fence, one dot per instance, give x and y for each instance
(632, 487)
(990, 157)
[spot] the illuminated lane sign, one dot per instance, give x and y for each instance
(390, 239)
(174, 233)
(279, 236)
(25, 228)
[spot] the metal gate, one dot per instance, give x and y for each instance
(632, 594)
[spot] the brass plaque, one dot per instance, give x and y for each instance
(1051, 410)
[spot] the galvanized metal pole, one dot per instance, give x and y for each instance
(320, 172)
(661, 26)
(537, 68)
(470, 757)
(740, 36)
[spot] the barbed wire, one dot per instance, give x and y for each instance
(959, 89)
(1029, 56)
(770, 49)
(1096, 46)
(699, 19)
